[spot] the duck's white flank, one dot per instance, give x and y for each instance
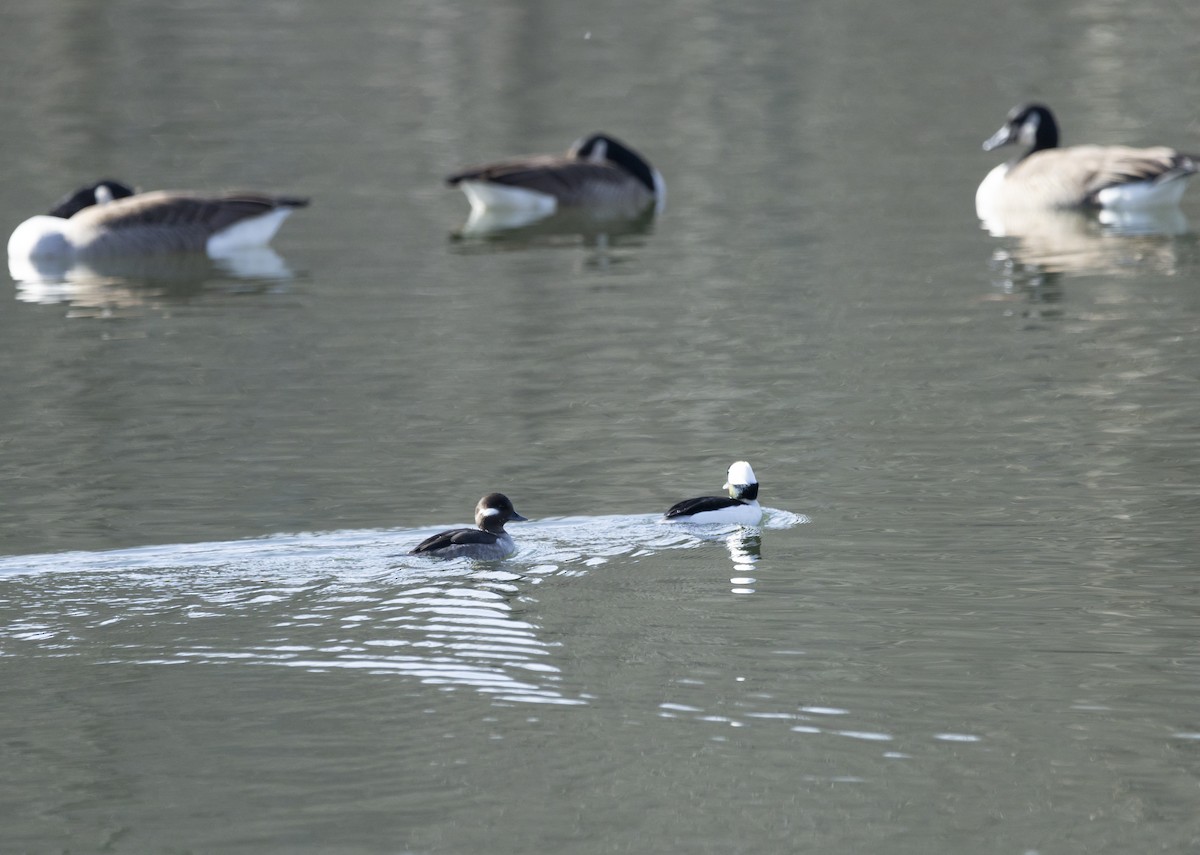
(747, 513)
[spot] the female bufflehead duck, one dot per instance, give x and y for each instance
(1083, 176)
(740, 506)
(109, 219)
(597, 172)
(489, 542)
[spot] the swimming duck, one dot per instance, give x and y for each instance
(597, 172)
(739, 507)
(488, 542)
(107, 219)
(1082, 176)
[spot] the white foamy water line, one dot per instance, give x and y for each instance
(566, 540)
(343, 600)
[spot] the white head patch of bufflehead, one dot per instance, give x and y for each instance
(740, 478)
(740, 507)
(488, 542)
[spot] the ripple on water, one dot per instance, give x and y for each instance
(325, 601)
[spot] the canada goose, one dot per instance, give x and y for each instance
(1083, 176)
(597, 172)
(107, 219)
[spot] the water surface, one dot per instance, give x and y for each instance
(969, 625)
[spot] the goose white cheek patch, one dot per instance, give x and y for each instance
(599, 152)
(1029, 129)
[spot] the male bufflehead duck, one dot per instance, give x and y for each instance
(109, 219)
(1084, 176)
(597, 172)
(739, 507)
(489, 542)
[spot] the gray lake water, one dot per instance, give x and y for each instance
(968, 625)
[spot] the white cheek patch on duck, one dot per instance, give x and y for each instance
(490, 512)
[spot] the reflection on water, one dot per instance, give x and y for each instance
(123, 282)
(54, 279)
(604, 237)
(1123, 243)
(745, 550)
(744, 544)
(346, 600)
(1040, 289)
(518, 229)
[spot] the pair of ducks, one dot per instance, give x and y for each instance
(490, 542)
(598, 173)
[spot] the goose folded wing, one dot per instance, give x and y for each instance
(184, 210)
(1116, 165)
(516, 171)
(561, 178)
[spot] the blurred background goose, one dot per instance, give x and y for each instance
(1083, 176)
(598, 172)
(107, 219)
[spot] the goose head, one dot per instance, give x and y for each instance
(100, 193)
(1030, 125)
